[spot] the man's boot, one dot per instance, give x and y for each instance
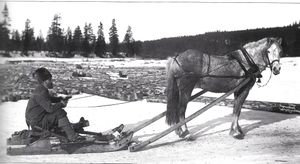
(65, 124)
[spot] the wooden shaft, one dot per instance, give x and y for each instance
(148, 122)
(194, 115)
(197, 95)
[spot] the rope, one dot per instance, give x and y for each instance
(99, 106)
(259, 86)
(81, 97)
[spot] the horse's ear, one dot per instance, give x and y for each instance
(269, 41)
(279, 40)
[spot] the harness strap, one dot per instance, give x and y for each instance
(187, 73)
(253, 67)
(240, 63)
(208, 67)
(175, 58)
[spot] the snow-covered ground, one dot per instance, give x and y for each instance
(270, 137)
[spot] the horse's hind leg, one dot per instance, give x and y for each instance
(240, 97)
(186, 87)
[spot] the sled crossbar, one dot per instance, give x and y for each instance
(137, 147)
(150, 121)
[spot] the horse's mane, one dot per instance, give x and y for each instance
(257, 48)
(255, 44)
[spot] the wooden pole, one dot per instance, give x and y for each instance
(150, 121)
(197, 95)
(194, 115)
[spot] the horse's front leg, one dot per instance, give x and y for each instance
(239, 98)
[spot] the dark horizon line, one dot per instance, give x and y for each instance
(157, 1)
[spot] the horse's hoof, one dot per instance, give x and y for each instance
(184, 134)
(236, 135)
(178, 132)
(189, 137)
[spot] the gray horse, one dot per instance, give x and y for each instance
(218, 74)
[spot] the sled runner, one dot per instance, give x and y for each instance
(39, 141)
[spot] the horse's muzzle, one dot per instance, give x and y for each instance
(276, 69)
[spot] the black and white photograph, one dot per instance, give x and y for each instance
(150, 81)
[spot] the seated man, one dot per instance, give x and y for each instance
(46, 111)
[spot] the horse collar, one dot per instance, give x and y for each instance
(254, 69)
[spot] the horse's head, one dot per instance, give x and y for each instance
(273, 55)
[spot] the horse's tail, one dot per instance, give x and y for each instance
(172, 115)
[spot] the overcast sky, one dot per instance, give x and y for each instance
(152, 19)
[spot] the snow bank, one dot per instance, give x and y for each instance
(104, 62)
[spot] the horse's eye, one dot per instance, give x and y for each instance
(268, 51)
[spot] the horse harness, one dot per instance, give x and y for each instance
(253, 71)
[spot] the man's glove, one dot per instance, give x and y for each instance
(67, 97)
(64, 102)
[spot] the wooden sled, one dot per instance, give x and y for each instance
(27, 142)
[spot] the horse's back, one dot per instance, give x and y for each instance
(193, 60)
(211, 69)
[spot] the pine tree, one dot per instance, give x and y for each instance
(77, 40)
(100, 47)
(69, 46)
(114, 39)
(88, 39)
(4, 37)
(40, 42)
(27, 38)
(16, 41)
(55, 39)
(6, 19)
(4, 30)
(129, 43)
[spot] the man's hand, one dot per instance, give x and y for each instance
(67, 97)
(64, 102)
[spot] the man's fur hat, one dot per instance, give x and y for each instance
(41, 74)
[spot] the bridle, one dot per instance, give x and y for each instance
(269, 63)
(254, 69)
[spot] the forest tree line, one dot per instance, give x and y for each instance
(220, 43)
(67, 43)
